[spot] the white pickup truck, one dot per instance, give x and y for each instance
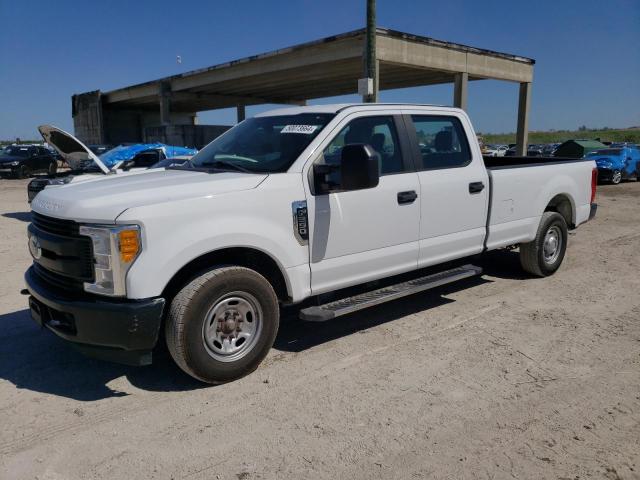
(282, 208)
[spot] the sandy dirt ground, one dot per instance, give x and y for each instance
(502, 376)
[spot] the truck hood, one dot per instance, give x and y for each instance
(104, 199)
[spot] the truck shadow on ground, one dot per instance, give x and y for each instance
(296, 335)
(22, 216)
(35, 359)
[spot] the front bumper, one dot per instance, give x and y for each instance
(122, 331)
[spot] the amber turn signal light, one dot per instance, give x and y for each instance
(129, 244)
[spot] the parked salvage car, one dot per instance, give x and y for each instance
(496, 150)
(617, 164)
(118, 160)
(20, 161)
(532, 151)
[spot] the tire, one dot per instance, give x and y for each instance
(616, 177)
(53, 168)
(533, 256)
(23, 172)
(203, 343)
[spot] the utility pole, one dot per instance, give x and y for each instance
(369, 88)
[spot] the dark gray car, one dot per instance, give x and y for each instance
(20, 161)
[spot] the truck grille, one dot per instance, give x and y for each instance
(56, 226)
(66, 261)
(58, 282)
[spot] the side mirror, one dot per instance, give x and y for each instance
(359, 169)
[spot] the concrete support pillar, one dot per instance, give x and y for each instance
(165, 103)
(522, 134)
(461, 81)
(241, 113)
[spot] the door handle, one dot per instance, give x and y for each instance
(476, 187)
(407, 197)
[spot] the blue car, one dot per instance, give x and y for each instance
(617, 164)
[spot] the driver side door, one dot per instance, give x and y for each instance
(362, 235)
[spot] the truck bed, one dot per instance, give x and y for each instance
(521, 189)
(515, 162)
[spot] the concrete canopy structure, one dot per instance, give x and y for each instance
(323, 68)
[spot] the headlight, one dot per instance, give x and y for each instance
(114, 251)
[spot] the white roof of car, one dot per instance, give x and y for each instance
(335, 108)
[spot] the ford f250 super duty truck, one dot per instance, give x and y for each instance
(290, 206)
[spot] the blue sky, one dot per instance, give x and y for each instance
(587, 52)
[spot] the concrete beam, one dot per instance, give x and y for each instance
(522, 134)
(297, 59)
(460, 86)
(431, 57)
(215, 98)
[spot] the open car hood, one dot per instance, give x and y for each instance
(74, 152)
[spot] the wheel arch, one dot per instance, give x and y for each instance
(248, 257)
(563, 204)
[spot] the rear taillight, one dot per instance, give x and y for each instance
(594, 183)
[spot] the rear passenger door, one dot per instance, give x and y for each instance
(454, 187)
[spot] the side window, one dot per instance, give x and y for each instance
(442, 141)
(146, 159)
(378, 132)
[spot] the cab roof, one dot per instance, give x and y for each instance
(338, 107)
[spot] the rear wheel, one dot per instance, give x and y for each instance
(53, 168)
(544, 255)
(221, 325)
(616, 177)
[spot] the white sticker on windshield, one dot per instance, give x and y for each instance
(306, 129)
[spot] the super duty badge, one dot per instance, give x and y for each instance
(300, 221)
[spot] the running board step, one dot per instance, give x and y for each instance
(331, 310)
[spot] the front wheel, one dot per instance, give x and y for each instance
(53, 168)
(221, 325)
(544, 255)
(23, 172)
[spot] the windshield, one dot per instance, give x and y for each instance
(17, 151)
(608, 151)
(262, 144)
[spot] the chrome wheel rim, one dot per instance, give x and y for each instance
(232, 326)
(552, 244)
(617, 177)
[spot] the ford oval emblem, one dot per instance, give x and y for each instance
(34, 247)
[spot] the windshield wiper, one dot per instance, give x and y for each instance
(217, 164)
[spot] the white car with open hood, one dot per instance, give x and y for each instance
(292, 206)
